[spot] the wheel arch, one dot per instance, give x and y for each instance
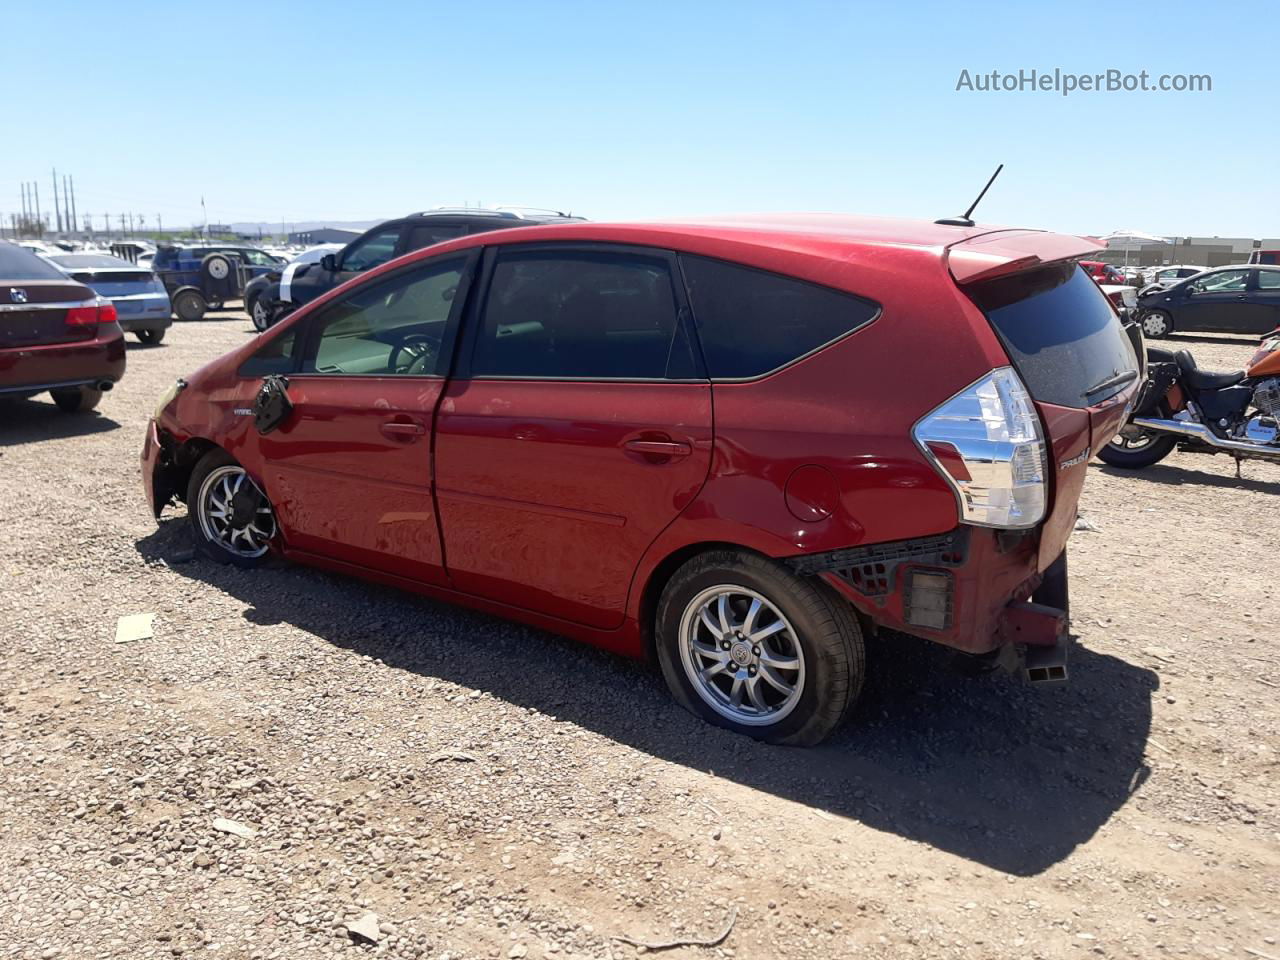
(660, 576)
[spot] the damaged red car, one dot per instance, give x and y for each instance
(736, 446)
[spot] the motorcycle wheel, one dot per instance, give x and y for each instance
(1142, 449)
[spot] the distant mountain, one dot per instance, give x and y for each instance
(294, 226)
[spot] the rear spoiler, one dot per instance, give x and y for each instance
(1012, 251)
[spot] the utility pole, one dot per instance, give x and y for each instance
(122, 233)
(106, 224)
(131, 224)
(23, 190)
(39, 219)
(73, 198)
(159, 224)
(57, 212)
(66, 206)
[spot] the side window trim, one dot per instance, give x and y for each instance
(307, 342)
(473, 317)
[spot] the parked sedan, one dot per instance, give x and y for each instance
(1233, 299)
(694, 441)
(142, 302)
(56, 335)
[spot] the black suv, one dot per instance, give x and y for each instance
(268, 298)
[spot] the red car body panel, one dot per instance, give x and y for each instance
(524, 498)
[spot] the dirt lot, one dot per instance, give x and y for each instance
(491, 791)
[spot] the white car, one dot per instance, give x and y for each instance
(1163, 277)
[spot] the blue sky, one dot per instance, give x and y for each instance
(280, 111)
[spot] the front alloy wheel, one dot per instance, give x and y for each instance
(233, 520)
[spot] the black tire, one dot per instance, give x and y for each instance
(78, 400)
(259, 313)
(1156, 324)
(189, 306)
(825, 630)
(149, 336)
(212, 462)
(1128, 457)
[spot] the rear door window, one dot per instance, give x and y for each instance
(751, 322)
(582, 315)
(1061, 333)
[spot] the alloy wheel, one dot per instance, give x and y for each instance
(741, 655)
(234, 513)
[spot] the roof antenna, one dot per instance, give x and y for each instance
(963, 220)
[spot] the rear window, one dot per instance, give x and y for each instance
(751, 322)
(1062, 335)
(19, 264)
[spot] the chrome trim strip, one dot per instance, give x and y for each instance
(60, 305)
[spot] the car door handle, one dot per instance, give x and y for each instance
(661, 448)
(399, 428)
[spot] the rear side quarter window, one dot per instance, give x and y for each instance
(752, 322)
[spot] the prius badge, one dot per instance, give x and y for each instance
(1078, 458)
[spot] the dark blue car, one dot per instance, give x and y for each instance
(207, 276)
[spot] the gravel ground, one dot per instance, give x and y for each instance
(295, 759)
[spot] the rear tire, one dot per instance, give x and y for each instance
(149, 336)
(190, 306)
(80, 400)
(1134, 454)
(221, 534)
(803, 640)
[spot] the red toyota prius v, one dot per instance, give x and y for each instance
(736, 446)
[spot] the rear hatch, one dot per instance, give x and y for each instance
(34, 312)
(1070, 350)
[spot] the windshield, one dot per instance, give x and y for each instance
(1061, 333)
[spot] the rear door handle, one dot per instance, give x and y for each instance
(399, 428)
(661, 448)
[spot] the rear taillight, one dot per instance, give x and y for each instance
(987, 443)
(103, 311)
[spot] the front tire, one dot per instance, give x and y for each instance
(230, 516)
(80, 400)
(747, 645)
(1156, 324)
(1142, 449)
(260, 313)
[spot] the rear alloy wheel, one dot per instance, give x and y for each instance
(1134, 448)
(149, 336)
(746, 644)
(189, 306)
(231, 517)
(1157, 323)
(260, 313)
(79, 400)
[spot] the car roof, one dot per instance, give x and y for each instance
(811, 245)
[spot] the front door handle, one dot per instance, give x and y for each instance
(401, 429)
(660, 448)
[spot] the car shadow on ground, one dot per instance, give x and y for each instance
(1011, 777)
(38, 419)
(1178, 476)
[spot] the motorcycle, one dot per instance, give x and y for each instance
(1202, 411)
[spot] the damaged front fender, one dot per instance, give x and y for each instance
(161, 473)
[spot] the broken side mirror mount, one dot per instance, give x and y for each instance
(272, 406)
